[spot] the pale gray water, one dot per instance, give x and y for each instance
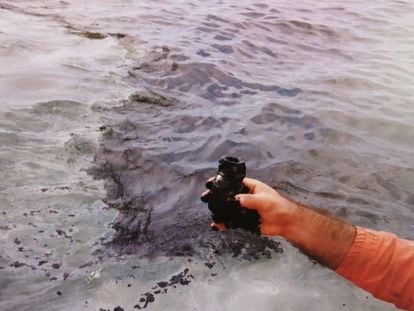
(316, 97)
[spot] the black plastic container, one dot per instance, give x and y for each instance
(226, 184)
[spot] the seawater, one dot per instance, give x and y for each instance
(113, 114)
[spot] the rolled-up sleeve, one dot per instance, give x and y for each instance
(382, 264)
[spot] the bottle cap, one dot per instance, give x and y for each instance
(232, 167)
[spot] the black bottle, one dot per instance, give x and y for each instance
(226, 184)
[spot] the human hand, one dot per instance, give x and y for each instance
(277, 213)
(322, 237)
(225, 210)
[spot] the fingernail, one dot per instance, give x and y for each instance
(239, 198)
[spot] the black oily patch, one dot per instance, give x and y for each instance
(149, 97)
(155, 187)
(182, 278)
(92, 35)
(175, 234)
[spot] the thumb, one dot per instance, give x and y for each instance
(250, 201)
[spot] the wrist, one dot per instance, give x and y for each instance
(324, 238)
(290, 219)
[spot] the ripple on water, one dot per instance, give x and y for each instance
(162, 218)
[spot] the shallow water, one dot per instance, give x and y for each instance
(316, 97)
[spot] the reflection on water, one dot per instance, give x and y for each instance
(316, 97)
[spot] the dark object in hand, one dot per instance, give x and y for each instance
(224, 208)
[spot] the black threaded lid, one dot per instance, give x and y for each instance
(232, 167)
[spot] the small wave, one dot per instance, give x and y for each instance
(204, 79)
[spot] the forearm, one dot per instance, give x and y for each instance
(379, 262)
(322, 237)
(382, 264)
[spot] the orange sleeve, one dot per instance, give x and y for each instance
(382, 264)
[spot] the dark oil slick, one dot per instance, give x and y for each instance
(158, 203)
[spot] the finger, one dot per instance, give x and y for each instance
(205, 196)
(256, 186)
(209, 183)
(250, 183)
(218, 226)
(248, 201)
